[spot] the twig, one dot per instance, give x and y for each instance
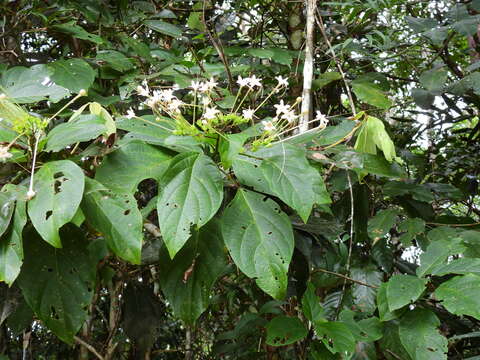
(346, 278)
(89, 347)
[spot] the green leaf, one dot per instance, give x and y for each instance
(434, 80)
(188, 279)
(285, 330)
(117, 217)
(164, 27)
(116, 60)
(232, 144)
(191, 194)
(412, 227)
(382, 303)
(421, 24)
(369, 329)
(28, 85)
(418, 191)
(77, 32)
(11, 246)
(332, 134)
(325, 79)
(336, 336)
(458, 266)
(311, 305)
(72, 74)
(381, 223)
(58, 283)
(259, 237)
(59, 190)
(403, 290)
(372, 134)
(437, 253)
(84, 128)
(423, 98)
(371, 94)
(420, 336)
(7, 206)
(459, 295)
(364, 296)
(131, 163)
(286, 173)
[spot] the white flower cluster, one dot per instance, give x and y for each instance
(4, 153)
(164, 99)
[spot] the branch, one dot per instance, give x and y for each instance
(88, 346)
(346, 278)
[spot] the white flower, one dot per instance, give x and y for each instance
(282, 108)
(243, 82)
(321, 118)
(167, 95)
(254, 81)
(195, 85)
(4, 154)
(143, 91)
(289, 116)
(175, 105)
(210, 113)
(130, 114)
(268, 125)
(175, 87)
(282, 81)
(208, 85)
(248, 114)
(206, 100)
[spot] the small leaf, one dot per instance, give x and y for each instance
(423, 98)
(192, 192)
(116, 215)
(325, 79)
(164, 27)
(336, 336)
(412, 227)
(259, 237)
(78, 32)
(58, 284)
(284, 330)
(131, 163)
(371, 94)
(332, 134)
(434, 80)
(116, 60)
(381, 224)
(311, 305)
(7, 206)
(372, 134)
(403, 290)
(382, 303)
(204, 256)
(365, 330)
(84, 128)
(459, 295)
(59, 190)
(420, 336)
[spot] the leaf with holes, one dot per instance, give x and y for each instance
(117, 217)
(284, 172)
(437, 253)
(133, 162)
(285, 330)
(58, 283)
(59, 189)
(191, 193)
(459, 295)
(403, 290)
(336, 336)
(259, 237)
(459, 266)
(381, 223)
(419, 335)
(11, 245)
(86, 127)
(187, 280)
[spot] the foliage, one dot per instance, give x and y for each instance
(158, 202)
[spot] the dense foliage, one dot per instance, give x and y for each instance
(158, 200)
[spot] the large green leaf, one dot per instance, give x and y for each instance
(59, 190)
(412, 228)
(58, 283)
(434, 80)
(86, 127)
(259, 237)
(28, 85)
(437, 253)
(371, 94)
(115, 59)
(403, 289)
(131, 163)
(372, 134)
(286, 173)
(187, 280)
(7, 206)
(11, 246)
(285, 330)
(382, 303)
(332, 134)
(78, 32)
(459, 295)
(72, 74)
(364, 296)
(336, 336)
(459, 266)
(420, 337)
(117, 217)
(369, 329)
(164, 27)
(191, 194)
(381, 224)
